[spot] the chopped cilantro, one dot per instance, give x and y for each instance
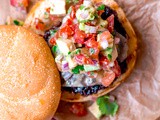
(54, 49)
(16, 22)
(19, 23)
(46, 15)
(106, 106)
(101, 7)
(52, 32)
(109, 50)
(77, 69)
(81, 7)
(109, 56)
(92, 51)
(69, 53)
(78, 51)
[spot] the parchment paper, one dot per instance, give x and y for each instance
(139, 96)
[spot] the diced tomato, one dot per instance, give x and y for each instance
(106, 35)
(68, 22)
(91, 42)
(100, 12)
(79, 36)
(18, 3)
(88, 61)
(73, 12)
(52, 41)
(108, 78)
(66, 31)
(116, 69)
(14, 3)
(25, 3)
(39, 24)
(94, 52)
(81, 59)
(48, 10)
(110, 20)
(103, 61)
(78, 109)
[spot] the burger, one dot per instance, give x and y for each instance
(30, 83)
(93, 44)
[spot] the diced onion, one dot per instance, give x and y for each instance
(87, 3)
(103, 44)
(84, 15)
(90, 29)
(65, 66)
(111, 64)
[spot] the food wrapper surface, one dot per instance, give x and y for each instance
(139, 96)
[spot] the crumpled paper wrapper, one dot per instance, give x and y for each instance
(139, 96)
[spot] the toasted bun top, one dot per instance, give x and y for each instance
(30, 83)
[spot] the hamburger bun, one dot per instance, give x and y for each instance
(30, 83)
(131, 53)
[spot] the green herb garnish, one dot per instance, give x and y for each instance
(101, 7)
(106, 106)
(78, 51)
(16, 22)
(109, 50)
(109, 56)
(81, 7)
(46, 15)
(52, 32)
(69, 53)
(54, 49)
(92, 51)
(77, 69)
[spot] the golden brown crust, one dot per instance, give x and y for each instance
(30, 85)
(132, 44)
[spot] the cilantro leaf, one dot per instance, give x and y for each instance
(54, 49)
(81, 7)
(106, 106)
(77, 69)
(109, 56)
(18, 23)
(101, 7)
(52, 32)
